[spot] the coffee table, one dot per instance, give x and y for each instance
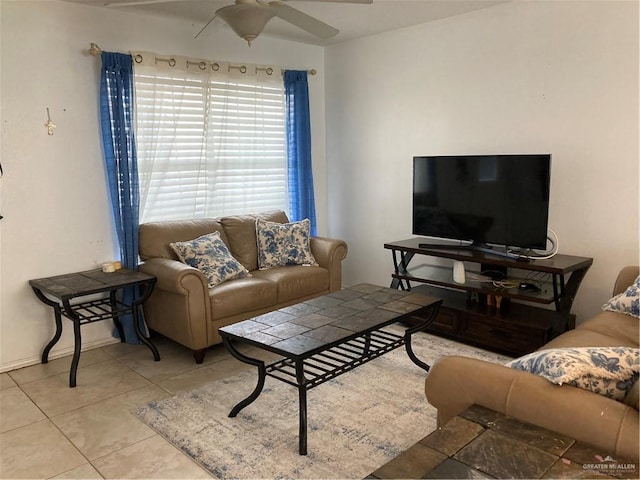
(327, 336)
(482, 443)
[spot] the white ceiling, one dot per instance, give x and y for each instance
(353, 20)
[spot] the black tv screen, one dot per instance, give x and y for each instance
(486, 199)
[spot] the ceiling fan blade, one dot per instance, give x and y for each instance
(134, 3)
(206, 25)
(303, 21)
(342, 1)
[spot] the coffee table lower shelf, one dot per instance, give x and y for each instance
(337, 360)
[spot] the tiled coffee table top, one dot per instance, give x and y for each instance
(312, 324)
(481, 443)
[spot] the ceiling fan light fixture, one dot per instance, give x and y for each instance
(247, 20)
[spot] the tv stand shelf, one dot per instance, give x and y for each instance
(487, 315)
(441, 276)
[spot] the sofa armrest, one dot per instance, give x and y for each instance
(179, 305)
(329, 253)
(455, 383)
(173, 276)
(625, 278)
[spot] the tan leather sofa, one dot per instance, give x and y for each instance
(455, 383)
(184, 309)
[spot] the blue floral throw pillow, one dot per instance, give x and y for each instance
(210, 255)
(628, 302)
(608, 371)
(282, 244)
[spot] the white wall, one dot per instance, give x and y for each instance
(559, 77)
(522, 77)
(53, 194)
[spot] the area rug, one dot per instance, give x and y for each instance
(356, 422)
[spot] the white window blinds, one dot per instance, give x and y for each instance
(208, 143)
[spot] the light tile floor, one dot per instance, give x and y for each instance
(48, 430)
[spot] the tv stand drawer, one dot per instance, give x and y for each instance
(518, 330)
(500, 335)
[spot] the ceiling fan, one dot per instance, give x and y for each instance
(247, 18)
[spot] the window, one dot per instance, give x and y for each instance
(209, 145)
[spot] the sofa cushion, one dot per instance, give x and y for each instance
(241, 233)
(608, 371)
(598, 332)
(242, 295)
(210, 255)
(282, 244)
(627, 302)
(296, 281)
(627, 328)
(155, 237)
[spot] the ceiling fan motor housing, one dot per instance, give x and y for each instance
(247, 18)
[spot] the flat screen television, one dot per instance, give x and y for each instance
(486, 200)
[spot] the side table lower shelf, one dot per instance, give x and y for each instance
(96, 310)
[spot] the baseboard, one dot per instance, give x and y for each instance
(62, 352)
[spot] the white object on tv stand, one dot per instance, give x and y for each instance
(458, 272)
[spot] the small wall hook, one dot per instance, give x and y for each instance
(50, 125)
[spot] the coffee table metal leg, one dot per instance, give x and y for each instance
(302, 394)
(416, 328)
(412, 356)
(262, 374)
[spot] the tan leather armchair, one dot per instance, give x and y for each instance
(454, 383)
(183, 308)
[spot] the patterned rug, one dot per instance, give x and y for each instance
(356, 422)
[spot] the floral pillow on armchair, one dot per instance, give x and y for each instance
(608, 371)
(628, 302)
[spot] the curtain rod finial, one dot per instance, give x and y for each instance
(94, 50)
(313, 71)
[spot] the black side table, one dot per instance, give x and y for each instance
(64, 288)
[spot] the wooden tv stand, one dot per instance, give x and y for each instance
(501, 318)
